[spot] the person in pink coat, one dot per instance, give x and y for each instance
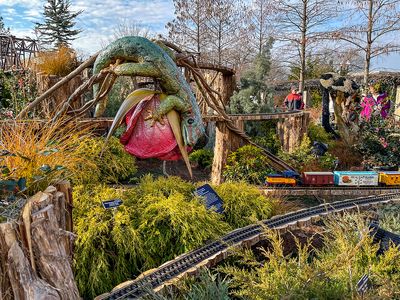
(375, 103)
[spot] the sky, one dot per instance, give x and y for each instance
(100, 18)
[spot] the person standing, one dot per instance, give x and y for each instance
(375, 103)
(293, 101)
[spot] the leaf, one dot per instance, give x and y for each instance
(45, 168)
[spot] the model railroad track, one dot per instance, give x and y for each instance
(339, 188)
(213, 252)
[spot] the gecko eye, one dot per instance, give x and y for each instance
(190, 121)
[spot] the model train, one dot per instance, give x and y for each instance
(335, 178)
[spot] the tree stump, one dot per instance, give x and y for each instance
(36, 250)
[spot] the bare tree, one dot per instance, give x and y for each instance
(261, 12)
(188, 29)
(371, 29)
(227, 29)
(300, 25)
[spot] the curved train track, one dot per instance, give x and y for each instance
(213, 252)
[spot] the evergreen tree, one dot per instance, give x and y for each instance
(3, 29)
(253, 94)
(58, 25)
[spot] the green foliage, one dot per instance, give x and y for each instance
(268, 140)
(328, 273)
(316, 98)
(254, 95)
(300, 157)
(114, 164)
(3, 29)
(58, 24)
(17, 88)
(159, 220)
(206, 286)
(318, 133)
(203, 157)
(389, 218)
(248, 164)
(244, 204)
(122, 87)
(379, 142)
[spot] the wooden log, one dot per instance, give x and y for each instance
(397, 105)
(65, 188)
(7, 238)
(26, 285)
(53, 262)
(220, 152)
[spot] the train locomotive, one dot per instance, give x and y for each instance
(335, 178)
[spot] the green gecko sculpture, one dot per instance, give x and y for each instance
(138, 56)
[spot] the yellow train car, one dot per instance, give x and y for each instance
(389, 178)
(279, 180)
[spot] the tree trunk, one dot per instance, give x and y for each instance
(303, 47)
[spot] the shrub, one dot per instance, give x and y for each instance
(109, 247)
(318, 133)
(203, 157)
(244, 204)
(159, 220)
(248, 164)
(113, 165)
(58, 62)
(379, 142)
(301, 157)
(17, 88)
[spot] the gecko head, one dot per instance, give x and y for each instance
(192, 128)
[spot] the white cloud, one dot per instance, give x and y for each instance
(98, 20)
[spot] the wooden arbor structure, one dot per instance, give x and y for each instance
(16, 53)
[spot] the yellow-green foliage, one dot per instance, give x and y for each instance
(249, 164)
(114, 165)
(159, 220)
(42, 152)
(243, 203)
(329, 273)
(58, 62)
(318, 133)
(108, 246)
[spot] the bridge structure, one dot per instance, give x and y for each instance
(16, 53)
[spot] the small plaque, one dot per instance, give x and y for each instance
(112, 203)
(212, 198)
(363, 284)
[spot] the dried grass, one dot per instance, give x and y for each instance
(58, 62)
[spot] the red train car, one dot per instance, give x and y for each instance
(317, 178)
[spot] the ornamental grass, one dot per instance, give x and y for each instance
(43, 153)
(331, 272)
(58, 62)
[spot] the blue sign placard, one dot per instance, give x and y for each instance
(363, 284)
(212, 198)
(112, 203)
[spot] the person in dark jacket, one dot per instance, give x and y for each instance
(293, 101)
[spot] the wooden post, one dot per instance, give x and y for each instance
(397, 105)
(221, 151)
(305, 99)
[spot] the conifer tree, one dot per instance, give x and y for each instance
(3, 29)
(59, 21)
